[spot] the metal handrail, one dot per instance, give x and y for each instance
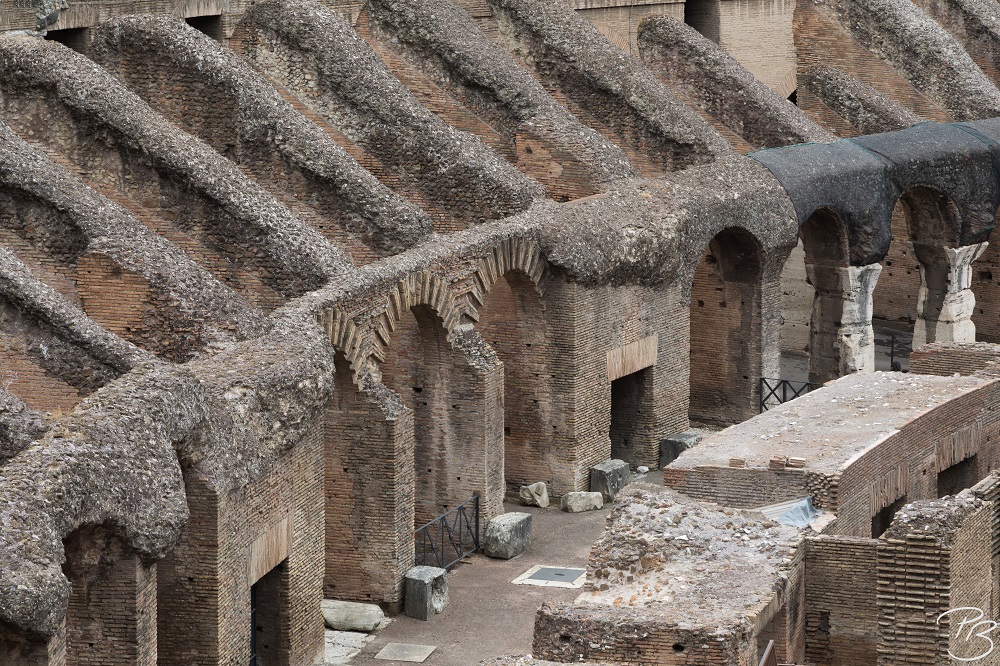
(450, 537)
(781, 390)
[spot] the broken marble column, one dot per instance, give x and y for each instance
(841, 338)
(536, 494)
(946, 302)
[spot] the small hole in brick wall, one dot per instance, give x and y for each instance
(888, 263)
(528, 150)
(345, 470)
(701, 304)
(454, 406)
(722, 304)
(429, 469)
(985, 275)
(417, 389)
(564, 638)
(458, 478)
(506, 431)
(678, 647)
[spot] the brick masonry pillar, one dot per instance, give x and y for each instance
(841, 339)
(946, 302)
(111, 619)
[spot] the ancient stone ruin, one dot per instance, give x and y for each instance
(281, 281)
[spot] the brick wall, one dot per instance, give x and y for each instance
(567, 633)
(197, 103)
(916, 454)
(820, 40)
(730, 301)
(841, 609)
(111, 618)
(973, 579)
(369, 481)
(946, 359)
(905, 464)
(758, 34)
(513, 322)
(188, 585)
(17, 647)
(294, 490)
(924, 571)
(738, 487)
(107, 162)
(620, 22)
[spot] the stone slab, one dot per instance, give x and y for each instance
(408, 652)
(576, 502)
(426, 592)
(536, 494)
(508, 535)
(608, 478)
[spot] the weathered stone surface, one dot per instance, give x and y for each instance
(858, 103)
(508, 535)
(608, 478)
(577, 502)
(721, 86)
(537, 494)
(351, 615)
(426, 592)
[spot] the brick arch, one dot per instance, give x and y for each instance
(510, 315)
(513, 254)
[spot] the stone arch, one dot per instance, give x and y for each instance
(511, 254)
(841, 339)
(725, 321)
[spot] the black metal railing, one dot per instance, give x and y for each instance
(451, 536)
(773, 392)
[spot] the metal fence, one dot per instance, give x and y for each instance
(773, 392)
(451, 536)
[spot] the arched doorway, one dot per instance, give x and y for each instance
(512, 321)
(726, 329)
(454, 388)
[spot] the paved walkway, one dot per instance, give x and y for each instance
(487, 615)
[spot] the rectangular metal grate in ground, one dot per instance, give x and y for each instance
(552, 576)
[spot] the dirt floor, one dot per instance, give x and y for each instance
(487, 615)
